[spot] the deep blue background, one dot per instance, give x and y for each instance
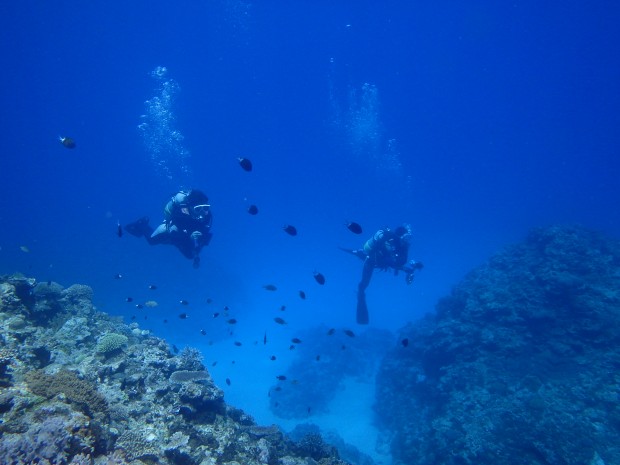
(503, 117)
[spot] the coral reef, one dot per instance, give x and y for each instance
(82, 388)
(518, 365)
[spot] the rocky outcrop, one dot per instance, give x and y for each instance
(520, 364)
(79, 387)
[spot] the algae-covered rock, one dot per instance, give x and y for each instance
(515, 365)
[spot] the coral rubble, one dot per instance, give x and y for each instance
(518, 365)
(78, 387)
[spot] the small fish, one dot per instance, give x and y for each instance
(175, 349)
(238, 344)
(152, 287)
(209, 300)
(282, 308)
(265, 338)
(288, 229)
(24, 249)
(232, 321)
(302, 294)
(281, 377)
(331, 331)
(150, 304)
(354, 227)
(118, 276)
(129, 299)
(49, 283)
(252, 209)
(245, 163)
(309, 410)
(317, 358)
(319, 278)
(342, 347)
(270, 287)
(119, 229)
(165, 321)
(273, 357)
(277, 388)
(213, 364)
(349, 333)
(291, 347)
(216, 314)
(139, 306)
(279, 320)
(67, 142)
(405, 342)
(296, 340)
(228, 381)
(184, 316)
(133, 317)
(183, 302)
(203, 332)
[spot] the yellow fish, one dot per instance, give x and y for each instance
(23, 248)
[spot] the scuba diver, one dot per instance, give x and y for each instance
(186, 225)
(385, 249)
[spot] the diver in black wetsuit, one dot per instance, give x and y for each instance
(385, 249)
(186, 225)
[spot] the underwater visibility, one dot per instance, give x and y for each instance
(240, 233)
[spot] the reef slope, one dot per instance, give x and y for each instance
(520, 364)
(80, 387)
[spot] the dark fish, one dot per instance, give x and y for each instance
(209, 300)
(309, 410)
(319, 278)
(184, 316)
(273, 357)
(302, 294)
(349, 333)
(354, 227)
(232, 321)
(118, 276)
(318, 357)
(67, 142)
(133, 317)
(291, 347)
(296, 340)
(270, 287)
(228, 381)
(165, 321)
(331, 331)
(292, 230)
(203, 332)
(265, 338)
(252, 209)
(119, 229)
(279, 320)
(238, 344)
(49, 283)
(245, 163)
(183, 302)
(342, 347)
(277, 388)
(405, 342)
(152, 287)
(216, 314)
(146, 317)
(281, 377)
(213, 364)
(282, 308)
(139, 306)
(175, 349)
(129, 299)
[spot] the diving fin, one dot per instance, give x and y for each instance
(362, 309)
(139, 227)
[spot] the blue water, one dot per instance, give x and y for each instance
(473, 123)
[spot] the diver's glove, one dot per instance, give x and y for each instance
(196, 236)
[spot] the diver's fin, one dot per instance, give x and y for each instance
(139, 227)
(359, 253)
(362, 309)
